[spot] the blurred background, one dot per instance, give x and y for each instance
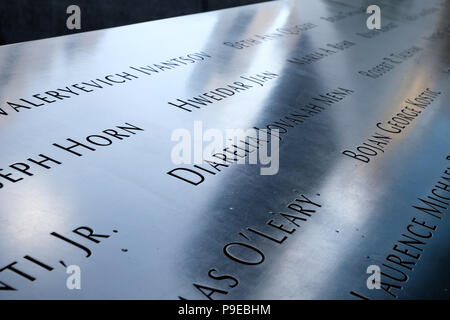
(23, 20)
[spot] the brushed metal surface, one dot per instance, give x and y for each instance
(170, 234)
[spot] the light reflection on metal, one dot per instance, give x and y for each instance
(165, 235)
